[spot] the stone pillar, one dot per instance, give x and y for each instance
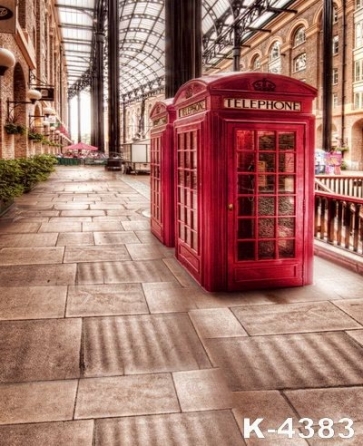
(183, 47)
(113, 76)
(327, 72)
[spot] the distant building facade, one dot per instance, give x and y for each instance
(294, 47)
(39, 65)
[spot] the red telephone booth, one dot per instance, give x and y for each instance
(162, 218)
(245, 180)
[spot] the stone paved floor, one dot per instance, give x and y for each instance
(106, 341)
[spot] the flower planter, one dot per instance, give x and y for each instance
(15, 129)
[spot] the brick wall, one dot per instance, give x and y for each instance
(346, 122)
(36, 50)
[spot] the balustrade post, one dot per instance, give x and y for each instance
(331, 220)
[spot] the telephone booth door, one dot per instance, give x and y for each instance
(162, 219)
(187, 200)
(266, 233)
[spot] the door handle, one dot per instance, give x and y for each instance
(230, 207)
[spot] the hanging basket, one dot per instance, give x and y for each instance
(14, 129)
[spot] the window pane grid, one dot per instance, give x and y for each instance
(155, 179)
(187, 189)
(266, 191)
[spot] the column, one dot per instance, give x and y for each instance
(183, 48)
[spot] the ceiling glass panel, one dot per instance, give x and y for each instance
(142, 34)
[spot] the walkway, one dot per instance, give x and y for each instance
(105, 340)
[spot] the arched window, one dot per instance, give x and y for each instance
(275, 51)
(275, 58)
(300, 36)
(335, 14)
(128, 124)
(300, 62)
(256, 63)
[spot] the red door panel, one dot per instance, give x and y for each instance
(266, 199)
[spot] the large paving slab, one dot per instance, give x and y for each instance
(288, 361)
(40, 350)
(54, 220)
(200, 390)
(336, 403)
(353, 307)
(115, 238)
(270, 405)
(216, 323)
(18, 228)
(169, 297)
(75, 238)
(106, 205)
(26, 240)
(141, 344)
(138, 225)
(123, 272)
(215, 428)
(88, 253)
(102, 226)
(38, 275)
(145, 251)
(340, 429)
(68, 433)
(293, 318)
(71, 206)
(61, 226)
(36, 302)
(104, 300)
(126, 396)
(357, 335)
(341, 282)
(31, 256)
(37, 402)
(82, 213)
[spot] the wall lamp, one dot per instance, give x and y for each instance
(48, 111)
(33, 95)
(7, 60)
(35, 118)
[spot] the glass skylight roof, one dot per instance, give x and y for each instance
(142, 27)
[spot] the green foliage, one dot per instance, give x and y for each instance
(21, 175)
(12, 128)
(35, 169)
(344, 165)
(10, 180)
(36, 137)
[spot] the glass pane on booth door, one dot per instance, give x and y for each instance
(187, 202)
(155, 178)
(264, 223)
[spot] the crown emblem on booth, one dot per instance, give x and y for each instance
(192, 90)
(264, 85)
(189, 92)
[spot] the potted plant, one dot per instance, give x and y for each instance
(12, 128)
(36, 137)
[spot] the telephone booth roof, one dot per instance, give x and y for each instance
(252, 82)
(161, 106)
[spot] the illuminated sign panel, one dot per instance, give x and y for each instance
(262, 104)
(192, 109)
